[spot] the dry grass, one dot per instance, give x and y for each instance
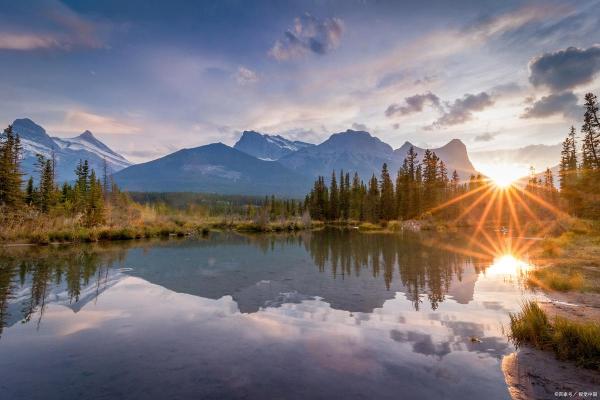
(574, 341)
(569, 261)
(557, 278)
(132, 222)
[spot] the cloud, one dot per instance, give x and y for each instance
(26, 41)
(414, 104)
(359, 127)
(462, 110)
(391, 79)
(309, 35)
(245, 76)
(565, 69)
(486, 137)
(56, 26)
(78, 121)
(506, 89)
(555, 104)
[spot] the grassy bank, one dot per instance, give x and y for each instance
(570, 261)
(569, 340)
(134, 222)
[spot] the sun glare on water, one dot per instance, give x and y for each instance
(507, 264)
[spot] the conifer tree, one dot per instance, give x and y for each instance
(372, 201)
(29, 192)
(356, 198)
(591, 133)
(10, 172)
(333, 199)
(387, 205)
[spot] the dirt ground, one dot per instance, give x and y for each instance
(536, 374)
(580, 307)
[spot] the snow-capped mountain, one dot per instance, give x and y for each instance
(268, 147)
(67, 151)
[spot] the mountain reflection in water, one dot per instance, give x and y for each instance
(346, 302)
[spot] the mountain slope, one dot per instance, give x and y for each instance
(454, 154)
(358, 151)
(214, 168)
(267, 147)
(352, 151)
(67, 151)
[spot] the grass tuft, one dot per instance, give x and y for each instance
(569, 340)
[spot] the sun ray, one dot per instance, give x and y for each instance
(458, 198)
(475, 203)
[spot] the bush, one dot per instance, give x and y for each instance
(368, 226)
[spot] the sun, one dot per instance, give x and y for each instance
(503, 180)
(503, 175)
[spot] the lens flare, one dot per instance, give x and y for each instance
(503, 175)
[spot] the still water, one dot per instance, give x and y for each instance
(321, 315)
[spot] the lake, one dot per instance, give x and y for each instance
(312, 315)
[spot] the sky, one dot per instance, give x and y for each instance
(151, 77)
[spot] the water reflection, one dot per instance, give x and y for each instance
(359, 272)
(311, 315)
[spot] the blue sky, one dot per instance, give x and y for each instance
(150, 77)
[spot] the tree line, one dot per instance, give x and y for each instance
(87, 198)
(420, 186)
(424, 187)
(579, 167)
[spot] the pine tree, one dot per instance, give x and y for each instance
(387, 205)
(416, 193)
(46, 191)
(591, 132)
(372, 201)
(29, 192)
(402, 189)
(334, 199)
(10, 172)
(356, 198)
(105, 179)
(95, 203)
(430, 179)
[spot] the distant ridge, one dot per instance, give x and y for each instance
(359, 151)
(213, 168)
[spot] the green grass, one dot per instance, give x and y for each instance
(569, 340)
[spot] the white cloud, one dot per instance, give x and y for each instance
(79, 121)
(245, 76)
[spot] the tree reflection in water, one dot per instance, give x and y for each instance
(29, 275)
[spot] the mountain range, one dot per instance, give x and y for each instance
(67, 151)
(268, 147)
(261, 164)
(258, 164)
(214, 168)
